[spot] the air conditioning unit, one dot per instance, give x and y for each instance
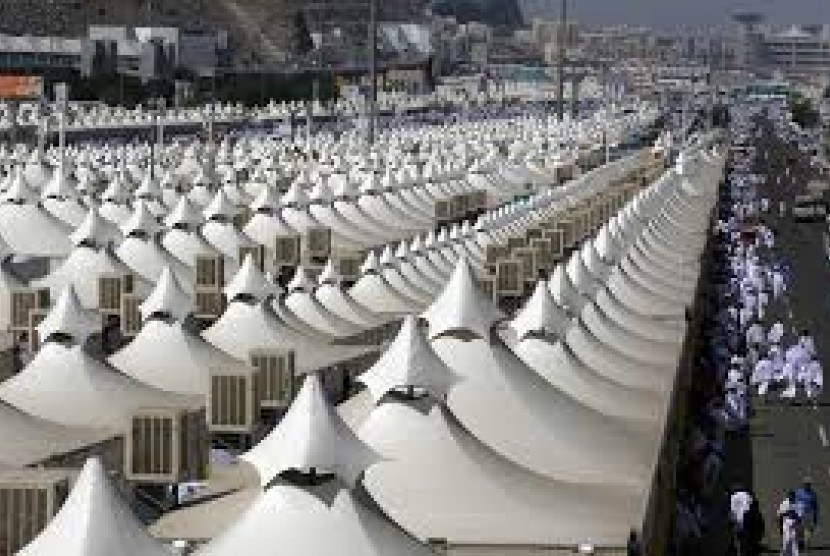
(167, 446)
(458, 206)
(533, 233)
(276, 379)
(510, 281)
(443, 210)
(544, 253)
(287, 251)
(318, 245)
(494, 252)
(567, 228)
(530, 267)
(111, 288)
(233, 402)
(23, 301)
(349, 267)
(130, 315)
(515, 243)
(488, 286)
(210, 279)
(29, 499)
(209, 305)
(210, 273)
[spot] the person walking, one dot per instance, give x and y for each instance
(806, 501)
(790, 533)
(752, 533)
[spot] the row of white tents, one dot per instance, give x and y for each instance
(539, 431)
(92, 116)
(553, 418)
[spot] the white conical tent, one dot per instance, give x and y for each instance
(332, 297)
(183, 214)
(409, 361)
(29, 440)
(540, 314)
(69, 318)
(250, 281)
(440, 481)
(314, 521)
(376, 294)
(167, 298)
(562, 369)
(95, 231)
(302, 304)
(66, 385)
(29, 230)
(94, 521)
(462, 306)
(537, 425)
(311, 435)
(141, 221)
(82, 269)
(167, 356)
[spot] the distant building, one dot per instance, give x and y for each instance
(42, 53)
(147, 53)
(544, 32)
(799, 52)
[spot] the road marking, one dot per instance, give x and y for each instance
(822, 433)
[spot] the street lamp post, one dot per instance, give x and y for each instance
(560, 38)
(373, 70)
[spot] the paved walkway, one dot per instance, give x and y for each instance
(788, 442)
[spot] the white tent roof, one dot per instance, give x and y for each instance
(141, 220)
(339, 303)
(243, 328)
(409, 361)
(249, 280)
(95, 230)
(226, 238)
(94, 521)
(29, 230)
(167, 297)
(376, 294)
(561, 368)
(540, 314)
(462, 306)
(82, 269)
(66, 385)
(304, 306)
(184, 214)
(28, 440)
(148, 258)
(538, 426)
(265, 228)
(68, 317)
(440, 481)
(311, 435)
(170, 358)
(315, 521)
(70, 212)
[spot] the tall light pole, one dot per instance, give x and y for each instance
(560, 39)
(373, 69)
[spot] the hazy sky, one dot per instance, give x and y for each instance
(672, 13)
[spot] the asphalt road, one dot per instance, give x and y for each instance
(788, 442)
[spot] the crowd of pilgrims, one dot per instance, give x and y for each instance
(748, 342)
